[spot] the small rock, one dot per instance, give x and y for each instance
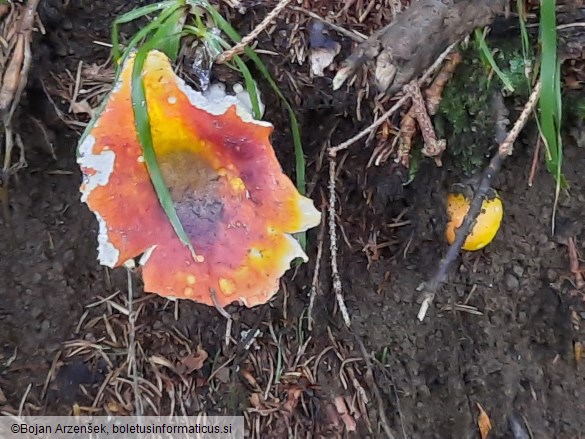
(46, 325)
(37, 278)
(69, 256)
(66, 24)
(58, 267)
(551, 275)
(36, 312)
(518, 270)
(512, 283)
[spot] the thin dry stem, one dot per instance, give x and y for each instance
(337, 288)
(240, 47)
(354, 35)
(370, 379)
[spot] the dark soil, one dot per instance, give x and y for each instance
(516, 359)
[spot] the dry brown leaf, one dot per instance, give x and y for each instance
(333, 416)
(343, 411)
(194, 361)
(223, 375)
(114, 407)
(249, 378)
(292, 398)
(4, 9)
(82, 107)
(255, 401)
(483, 422)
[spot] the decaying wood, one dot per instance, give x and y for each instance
(402, 50)
(433, 96)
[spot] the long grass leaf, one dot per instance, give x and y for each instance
(551, 98)
(489, 59)
(167, 37)
(121, 58)
(526, 48)
(143, 129)
(132, 15)
(251, 87)
(550, 111)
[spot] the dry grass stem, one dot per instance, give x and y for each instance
(354, 35)
(239, 48)
(337, 287)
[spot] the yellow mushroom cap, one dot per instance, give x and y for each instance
(486, 226)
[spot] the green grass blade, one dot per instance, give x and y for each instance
(143, 33)
(120, 59)
(489, 59)
(134, 41)
(526, 48)
(251, 87)
(142, 122)
(167, 37)
(551, 98)
(550, 101)
(130, 16)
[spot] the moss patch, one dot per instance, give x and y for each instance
(465, 118)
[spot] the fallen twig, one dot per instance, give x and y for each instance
(239, 48)
(433, 95)
(431, 287)
(535, 159)
(354, 35)
(333, 244)
(574, 264)
(433, 147)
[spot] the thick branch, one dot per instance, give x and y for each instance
(404, 49)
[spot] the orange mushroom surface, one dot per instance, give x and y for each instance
(235, 203)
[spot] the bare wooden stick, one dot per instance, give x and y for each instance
(505, 149)
(337, 288)
(239, 48)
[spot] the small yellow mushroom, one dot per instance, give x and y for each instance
(486, 225)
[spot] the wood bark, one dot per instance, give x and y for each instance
(402, 50)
